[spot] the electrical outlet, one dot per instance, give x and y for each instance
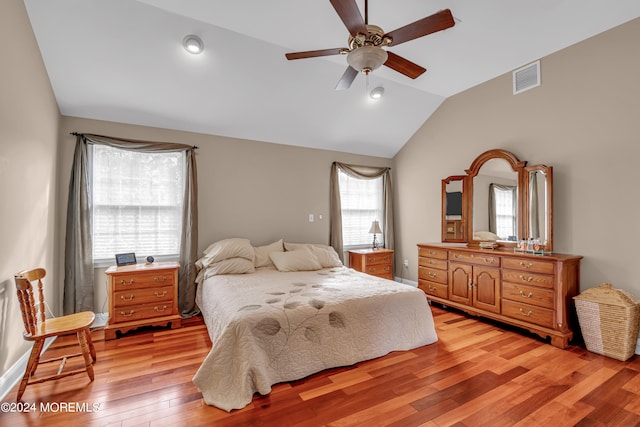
(406, 263)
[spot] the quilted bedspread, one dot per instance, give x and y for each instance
(269, 327)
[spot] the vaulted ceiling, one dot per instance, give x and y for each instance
(123, 61)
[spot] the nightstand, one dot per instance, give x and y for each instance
(376, 262)
(142, 295)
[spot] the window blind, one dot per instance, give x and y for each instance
(362, 203)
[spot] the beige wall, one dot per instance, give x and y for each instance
(584, 120)
(249, 189)
(28, 145)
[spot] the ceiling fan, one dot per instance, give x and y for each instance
(365, 52)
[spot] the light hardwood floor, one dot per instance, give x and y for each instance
(479, 373)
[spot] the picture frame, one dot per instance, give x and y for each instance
(128, 258)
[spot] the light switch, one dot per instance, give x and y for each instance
(311, 218)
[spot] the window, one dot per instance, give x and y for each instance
(137, 202)
(504, 198)
(362, 203)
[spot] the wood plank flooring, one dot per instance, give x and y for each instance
(478, 374)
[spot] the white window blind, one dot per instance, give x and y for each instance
(137, 202)
(362, 203)
(505, 213)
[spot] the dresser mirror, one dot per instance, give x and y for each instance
(503, 201)
(453, 208)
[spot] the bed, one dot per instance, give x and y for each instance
(269, 325)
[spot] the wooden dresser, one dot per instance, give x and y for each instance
(376, 262)
(142, 295)
(534, 292)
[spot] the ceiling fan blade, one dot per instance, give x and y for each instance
(431, 24)
(313, 53)
(403, 66)
(347, 78)
(348, 11)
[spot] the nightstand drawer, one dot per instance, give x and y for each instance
(140, 280)
(379, 259)
(142, 296)
(143, 311)
(376, 270)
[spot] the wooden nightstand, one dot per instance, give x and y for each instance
(377, 262)
(142, 295)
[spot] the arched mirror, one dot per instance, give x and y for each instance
(453, 209)
(503, 201)
(495, 198)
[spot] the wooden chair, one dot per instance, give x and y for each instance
(38, 328)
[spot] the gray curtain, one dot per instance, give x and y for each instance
(362, 172)
(78, 281)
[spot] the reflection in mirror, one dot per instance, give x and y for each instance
(453, 225)
(495, 202)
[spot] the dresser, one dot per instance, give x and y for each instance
(376, 262)
(142, 295)
(533, 292)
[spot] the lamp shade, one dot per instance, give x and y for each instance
(367, 58)
(375, 228)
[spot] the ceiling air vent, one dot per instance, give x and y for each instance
(526, 78)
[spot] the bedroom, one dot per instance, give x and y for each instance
(582, 120)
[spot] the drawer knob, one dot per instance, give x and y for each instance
(457, 256)
(489, 260)
(160, 310)
(160, 295)
(433, 253)
(160, 279)
(522, 294)
(124, 282)
(432, 275)
(129, 314)
(123, 298)
(528, 313)
(526, 265)
(526, 279)
(431, 288)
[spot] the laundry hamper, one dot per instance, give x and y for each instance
(609, 320)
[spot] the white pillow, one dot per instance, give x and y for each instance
(262, 253)
(225, 249)
(327, 256)
(231, 266)
(298, 260)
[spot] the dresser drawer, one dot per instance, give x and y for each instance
(142, 296)
(435, 289)
(528, 294)
(124, 282)
(374, 259)
(526, 264)
(432, 275)
(528, 313)
(440, 264)
(143, 311)
(432, 253)
(525, 277)
(475, 258)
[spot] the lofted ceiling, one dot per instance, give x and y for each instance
(123, 61)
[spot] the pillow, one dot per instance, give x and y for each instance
(262, 253)
(225, 249)
(298, 260)
(485, 235)
(295, 246)
(327, 256)
(231, 266)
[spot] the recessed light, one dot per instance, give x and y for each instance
(193, 44)
(376, 93)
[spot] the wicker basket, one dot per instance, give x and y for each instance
(609, 320)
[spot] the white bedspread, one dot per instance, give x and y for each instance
(269, 327)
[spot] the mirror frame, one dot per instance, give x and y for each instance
(446, 181)
(518, 166)
(548, 171)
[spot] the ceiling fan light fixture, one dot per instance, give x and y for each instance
(376, 93)
(367, 58)
(193, 44)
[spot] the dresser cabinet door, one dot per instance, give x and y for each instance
(460, 282)
(486, 288)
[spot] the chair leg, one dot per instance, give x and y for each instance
(92, 349)
(31, 367)
(86, 353)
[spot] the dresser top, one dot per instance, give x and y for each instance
(370, 251)
(134, 268)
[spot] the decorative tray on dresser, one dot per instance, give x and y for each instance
(142, 295)
(534, 292)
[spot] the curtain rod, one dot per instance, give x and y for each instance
(195, 147)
